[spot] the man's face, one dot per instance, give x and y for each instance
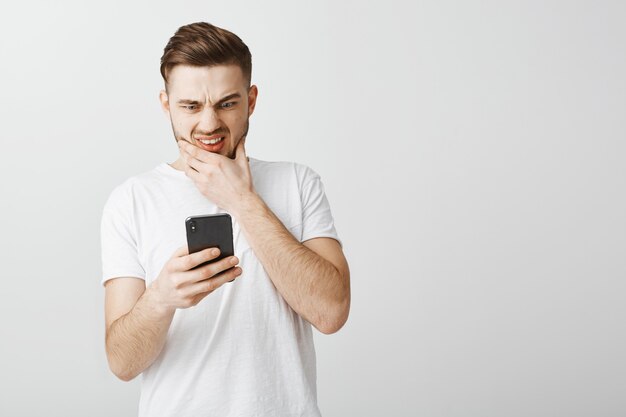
(208, 103)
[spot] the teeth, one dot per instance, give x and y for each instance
(212, 141)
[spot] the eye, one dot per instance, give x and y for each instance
(226, 106)
(190, 107)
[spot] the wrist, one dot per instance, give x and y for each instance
(248, 203)
(155, 306)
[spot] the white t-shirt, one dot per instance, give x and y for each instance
(241, 351)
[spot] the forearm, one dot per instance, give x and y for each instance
(310, 284)
(135, 340)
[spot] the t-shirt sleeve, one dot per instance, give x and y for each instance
(317, 219)
(120, 257)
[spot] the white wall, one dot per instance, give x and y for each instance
(473, 154)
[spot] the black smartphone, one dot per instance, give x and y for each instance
(210, 231)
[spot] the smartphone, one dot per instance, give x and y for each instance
(210, 231)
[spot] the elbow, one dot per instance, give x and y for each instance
(119, 371)
(126, 377)
(337, 314)
(332, 323)
(334, 314)
(123, 376)
(329, 328)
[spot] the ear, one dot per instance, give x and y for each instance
(165, 102)
(252, 95)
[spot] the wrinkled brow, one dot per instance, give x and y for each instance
(228, 97)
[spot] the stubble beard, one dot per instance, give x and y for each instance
(231, 153)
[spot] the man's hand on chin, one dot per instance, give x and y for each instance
(226, 182)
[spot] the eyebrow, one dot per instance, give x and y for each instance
(228, 97)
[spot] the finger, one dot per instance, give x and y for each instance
(229, 275)
(192, 162)
(191, 152)
(188, 262)
(192, 173)
(214, 268)
(183, 250)
(209, 285)
(200, 297)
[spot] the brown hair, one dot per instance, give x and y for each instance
(203, 44)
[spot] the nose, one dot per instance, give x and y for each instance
(209, 120)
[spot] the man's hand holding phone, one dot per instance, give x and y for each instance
(179, 285)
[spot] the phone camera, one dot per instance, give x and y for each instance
(192, 226)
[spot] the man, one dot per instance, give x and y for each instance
(205, 345)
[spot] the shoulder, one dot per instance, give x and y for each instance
(123, 193)
(299, 172)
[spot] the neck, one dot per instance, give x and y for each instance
(178, 164)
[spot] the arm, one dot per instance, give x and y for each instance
(313, 277)
(138, 318)
(136, 327)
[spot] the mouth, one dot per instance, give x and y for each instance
(211, 144)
